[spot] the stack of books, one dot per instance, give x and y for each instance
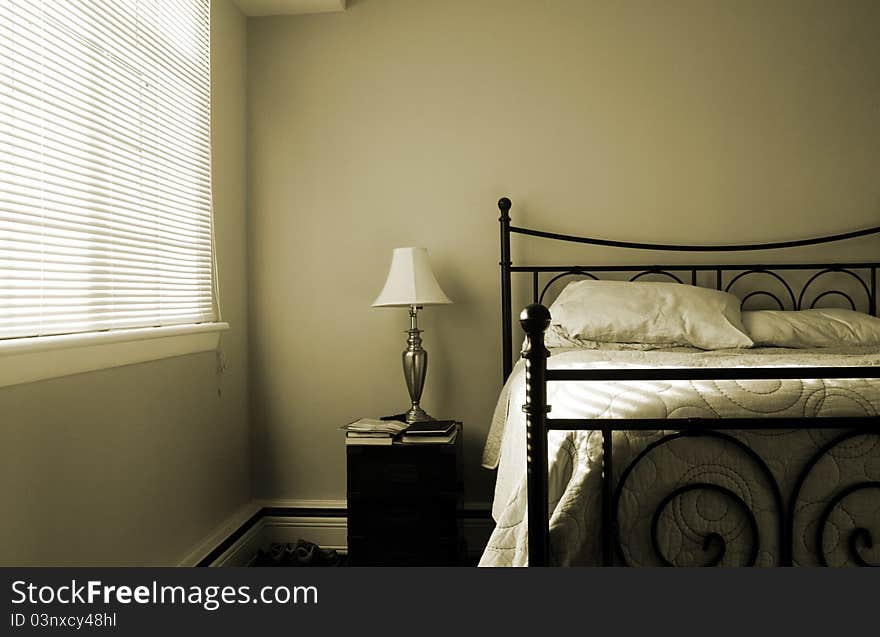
(431, 432)
(369, 431)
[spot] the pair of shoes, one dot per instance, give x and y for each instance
(307, 553)
(303, 553)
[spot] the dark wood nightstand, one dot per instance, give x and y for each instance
(403, 504)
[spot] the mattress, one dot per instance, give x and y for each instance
(575, 460)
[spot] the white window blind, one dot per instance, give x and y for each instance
(105, 165)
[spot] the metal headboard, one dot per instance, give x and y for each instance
(723, 276)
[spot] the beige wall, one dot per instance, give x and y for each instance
(136, 465)
(400, 122)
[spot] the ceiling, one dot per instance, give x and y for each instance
(288, 7)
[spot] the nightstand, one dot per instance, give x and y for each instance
(403, 503)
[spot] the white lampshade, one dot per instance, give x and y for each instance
(410, 281)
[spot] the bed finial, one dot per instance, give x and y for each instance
(504, 206)
(535, 319)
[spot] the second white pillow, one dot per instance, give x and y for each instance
(811, 328)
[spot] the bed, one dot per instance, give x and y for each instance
(683, 456)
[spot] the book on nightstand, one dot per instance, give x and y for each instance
(369, 440)
(369, 431)
(431, 432)
(431, 428)
(428, 440)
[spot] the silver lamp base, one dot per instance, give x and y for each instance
(415, 367)
(417, 414)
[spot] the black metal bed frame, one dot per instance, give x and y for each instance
(535, 319)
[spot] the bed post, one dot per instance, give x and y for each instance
(506, 326)
(535, 318)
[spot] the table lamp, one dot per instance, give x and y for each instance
(411, 283)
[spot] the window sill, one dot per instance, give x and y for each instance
(26, 360)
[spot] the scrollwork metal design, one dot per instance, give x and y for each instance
(852, 303)
(573, 272)
(711, 539)
(859, 535)
(770, 273)
(812, 279)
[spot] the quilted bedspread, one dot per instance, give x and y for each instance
(688, 519)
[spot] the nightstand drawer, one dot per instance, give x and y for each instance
(404, 473)
(434, 518)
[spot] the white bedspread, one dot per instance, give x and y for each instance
(575, 457)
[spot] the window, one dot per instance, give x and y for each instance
(105, 166)
(106, 230)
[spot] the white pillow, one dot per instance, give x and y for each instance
(811, 328)
(670, 314)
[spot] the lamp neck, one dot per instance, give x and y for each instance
(414, 317)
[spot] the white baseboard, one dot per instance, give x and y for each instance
(326, 531)
(243, 550)
(223, 530)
